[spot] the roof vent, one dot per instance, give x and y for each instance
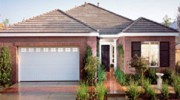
(98, 4)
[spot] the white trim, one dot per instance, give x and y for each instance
(47, 34)
(148, 34)
(139, 34)
(115, 54)
(86, 34)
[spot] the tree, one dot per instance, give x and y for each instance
(6, 22)
(140, 65)
(178, 19)
(5, 67)
(166, 20)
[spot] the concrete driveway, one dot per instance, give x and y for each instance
(41, 91)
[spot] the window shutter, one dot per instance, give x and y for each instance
(164, 54)
(136, 49)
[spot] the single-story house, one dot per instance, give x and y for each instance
(174, 25)
(51, 46)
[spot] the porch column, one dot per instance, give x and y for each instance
(115, 54)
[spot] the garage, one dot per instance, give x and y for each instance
(48, 63)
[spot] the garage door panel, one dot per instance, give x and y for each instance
(49, 66)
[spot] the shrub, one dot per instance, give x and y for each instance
(178, 67)
(101, 91)
(176, 85)
(137, 77)
(101, 74)
(131, 77)
(146, 85)
(165, 91)
(151, 93)
(88, 53)
(5, 67)
(91, 69)
(127, 79)
(167, 76)
(82, 92)
(133, 91)
(151, 74)
(120, 76)
(140, 65)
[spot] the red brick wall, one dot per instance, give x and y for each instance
(14, 43)
(127, 48)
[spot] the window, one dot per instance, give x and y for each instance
(23, 49)
(38, 49)
(53, 49)
(75, 49)
(150, 51)
(31, 49)
(45, 49)
(68, 50)
(60, 49)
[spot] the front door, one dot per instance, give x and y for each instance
(105, 56)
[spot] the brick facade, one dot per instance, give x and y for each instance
(14, 43)
(126, 41)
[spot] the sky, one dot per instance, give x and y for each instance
(17, 10)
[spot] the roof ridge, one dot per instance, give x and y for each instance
(134, 22)
(110, 11)
(76, 20)
(101, 9)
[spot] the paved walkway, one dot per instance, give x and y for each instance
(112, 85)
(41, 91)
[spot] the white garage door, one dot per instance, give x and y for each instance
(48, 64)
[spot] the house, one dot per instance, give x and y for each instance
(175, 26)
(51, 47)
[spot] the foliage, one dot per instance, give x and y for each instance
(166, 20)
(101, 91)
(148, 90)
(165, 91)
(176, 85)
(101, 74)
(131, 77)
(128, 79)
(82, 92)
(178, 67)
(5, 22)
(151, 93)
(151, 74)
(5, 67)
(121, 54)
(88, 53)
(120, 76)
(91, 69)
(167, 76)
(133, 91)
(146, 84)
(140, 65)
(178, 18)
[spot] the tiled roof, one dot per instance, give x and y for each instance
(103, 20)
(143, 25)
(55, 21)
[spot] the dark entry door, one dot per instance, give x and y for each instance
(105, 56)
